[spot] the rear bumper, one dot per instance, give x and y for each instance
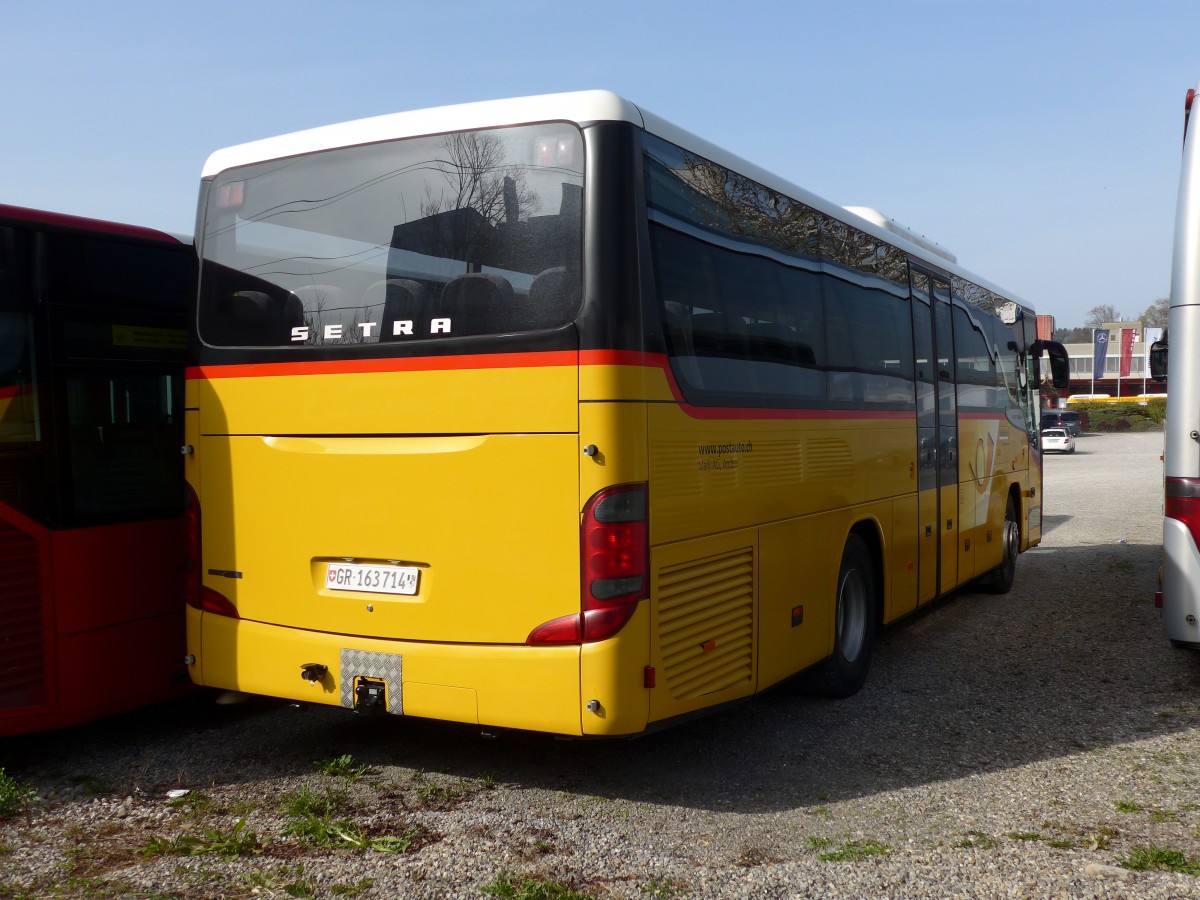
(1181, 584)
(501, 686)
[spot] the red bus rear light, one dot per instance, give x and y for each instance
(194, 592)
(1182, 503)
(615, 566)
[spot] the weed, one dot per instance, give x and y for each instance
(1128, 806)
(979, 840)
(1145, 857)
(1025, 835)
(1100, 839)
(342, 767)
(509, 886)
(14, 795)
(345, 834)
(302, 803)
(663, 890)
(353, 890)
(856, 851)
(1163, 815)
(291, 882)
(819, 843)
(238, 842)
(196, 804)
(1061, 843)
(754, 856)
(821, 812)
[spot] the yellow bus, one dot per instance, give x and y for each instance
(547, 414)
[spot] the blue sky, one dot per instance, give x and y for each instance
(1037, 139)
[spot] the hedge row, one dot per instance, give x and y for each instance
(1122, 415)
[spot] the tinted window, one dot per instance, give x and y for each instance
(766, 302)
(427, 238)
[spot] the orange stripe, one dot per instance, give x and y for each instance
(537, 360)
(389, 364)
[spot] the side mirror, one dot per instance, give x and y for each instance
(1158, 360)
(1060, 362)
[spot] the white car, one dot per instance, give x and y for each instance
(1058, 439)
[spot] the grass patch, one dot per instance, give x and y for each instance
(322, 820)
(195, 804)
(346, 835)
(1163, 859)
(978, 840)
(353, 890)
(819, 843)
(302, 803)
(15, 796)
(239, 841)
(284, 881)
(1025, 835)
(662, 890)
(342, 766)
(510, 886)
(855, 851)
(1128, 806)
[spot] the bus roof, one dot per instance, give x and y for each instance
(82, 223)
(580, 107)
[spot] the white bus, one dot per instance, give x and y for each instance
(1179, 598)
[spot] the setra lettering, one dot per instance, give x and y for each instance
(400, 328)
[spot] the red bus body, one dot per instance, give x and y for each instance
(91, 542)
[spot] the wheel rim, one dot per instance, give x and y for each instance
(852, 615)
(1012, 541)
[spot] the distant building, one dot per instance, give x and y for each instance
(1045, 328)
(1125, 371)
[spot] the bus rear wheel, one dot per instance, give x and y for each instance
(1000, 579)
(854, 626)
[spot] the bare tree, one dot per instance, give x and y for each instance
(1156, 313)
(476, 180)
(1098, 315)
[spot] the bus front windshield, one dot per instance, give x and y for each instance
(429, 238)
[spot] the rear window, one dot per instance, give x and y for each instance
(428, 238)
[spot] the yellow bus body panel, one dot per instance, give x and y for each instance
(489, 398)
(501, 686)
(489, 520)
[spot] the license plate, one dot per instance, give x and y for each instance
(372, 579)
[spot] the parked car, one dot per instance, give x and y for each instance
(1057, 439)
(1062, 418)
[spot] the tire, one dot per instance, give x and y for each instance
(854, 626)
(1000, 579)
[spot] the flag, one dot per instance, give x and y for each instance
(1151, 336)
(1099, 351)
(1127, 336)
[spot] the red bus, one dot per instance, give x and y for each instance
(92, 341)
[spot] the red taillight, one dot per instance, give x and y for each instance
(194, 591)
(615, 563)
(1182, 502)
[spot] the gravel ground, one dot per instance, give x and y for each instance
(1016, 746)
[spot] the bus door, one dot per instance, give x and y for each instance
(937, 437)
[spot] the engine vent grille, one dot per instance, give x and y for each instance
(706, 623)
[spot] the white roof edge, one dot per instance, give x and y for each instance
(875, 217)
(577, 106)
